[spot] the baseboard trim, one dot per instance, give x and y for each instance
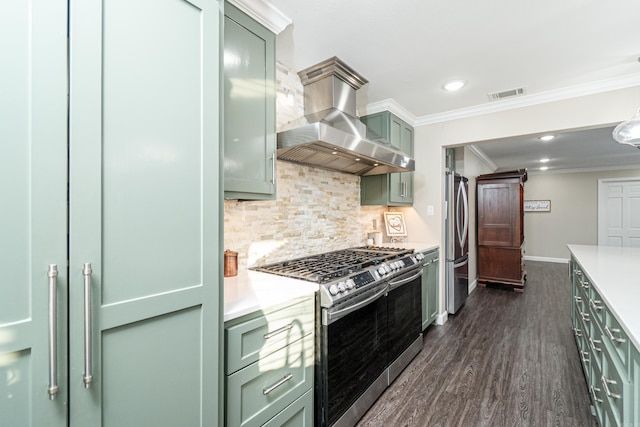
(442, 318)
(546, 259)
(473, 286)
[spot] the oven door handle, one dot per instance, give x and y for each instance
(333, 316)
(401, 282)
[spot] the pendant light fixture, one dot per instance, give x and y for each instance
(629, 132)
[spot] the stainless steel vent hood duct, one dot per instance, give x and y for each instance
(332, 137)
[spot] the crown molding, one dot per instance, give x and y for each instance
(581, 170)
(265, 13)
(482, 156)
(591, 88)
(391, 105)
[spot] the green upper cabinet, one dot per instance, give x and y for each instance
(249, 108)
(395, 189)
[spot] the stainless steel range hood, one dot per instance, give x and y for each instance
(331, 136)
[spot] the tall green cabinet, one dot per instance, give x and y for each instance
(395, 189)
(249, 108)
(110, 304)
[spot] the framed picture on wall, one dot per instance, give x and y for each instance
(395, 224)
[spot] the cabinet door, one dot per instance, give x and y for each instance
(249, 108)
(33, 231)
(145, 212)
(432, 289)
(499, 213)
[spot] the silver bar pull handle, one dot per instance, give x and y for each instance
(611, 336)
(273, 168)
(87, 377)
(272, 334)
(268, 390)
(605, 384)
(53, 331)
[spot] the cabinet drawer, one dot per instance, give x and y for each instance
(255, 338)
(298, 414)
(617, 338)
(595, 343)
(616, 386)
(598, 398)
(261, 390)
(596, 306)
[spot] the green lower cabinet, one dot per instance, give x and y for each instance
(257, 393)
(298, 414)
(635, 378)
(610, 361)
(270, 366)
(430, 288)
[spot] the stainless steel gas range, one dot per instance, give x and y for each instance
(368, 324)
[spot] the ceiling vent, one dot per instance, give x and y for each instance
(496, 96)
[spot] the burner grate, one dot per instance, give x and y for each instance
(328, 266)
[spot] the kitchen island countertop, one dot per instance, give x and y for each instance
(614, 273)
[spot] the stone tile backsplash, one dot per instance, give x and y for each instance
(316, 210)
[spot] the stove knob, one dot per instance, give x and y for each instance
(333, 289)
(342, 287)
(382, 270)
(386, 267)
(351, 284)
(419, 256)
(397, 265)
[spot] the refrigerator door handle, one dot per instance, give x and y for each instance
(461, 261)
(462, 196)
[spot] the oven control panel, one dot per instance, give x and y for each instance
(363, 279)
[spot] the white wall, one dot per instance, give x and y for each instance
(574, 211)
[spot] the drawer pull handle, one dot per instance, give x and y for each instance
(585, 316)
(285, 328)
(611, 336)
(577, 332)
(585, 357)
(284, 379)
(577, 298)
(606, 381)
(593, 344)
(585, 285)
(593, 391)
(595, 304)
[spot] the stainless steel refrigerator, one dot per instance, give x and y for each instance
(457, 241)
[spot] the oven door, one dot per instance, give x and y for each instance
(353, 355)
(405, 311)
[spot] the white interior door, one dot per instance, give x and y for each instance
(619, 212)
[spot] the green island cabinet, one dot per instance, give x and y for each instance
(610, 361)
(110, 300)
(394, 189)
(430, 287)
(270, 366)
(249, 108)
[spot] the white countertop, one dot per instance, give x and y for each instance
(418, 246)
(251, 291)
(614, 273)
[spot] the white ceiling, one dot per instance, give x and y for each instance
(408, 49)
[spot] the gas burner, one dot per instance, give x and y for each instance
(329, 266)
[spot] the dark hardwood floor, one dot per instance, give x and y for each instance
(506, 359)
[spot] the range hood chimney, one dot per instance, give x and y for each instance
(333, 137)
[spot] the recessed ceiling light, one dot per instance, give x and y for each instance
(334, 152)
(544, 168)
(454, 85)
(544, 160)
(357, 159)
(546, 137)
